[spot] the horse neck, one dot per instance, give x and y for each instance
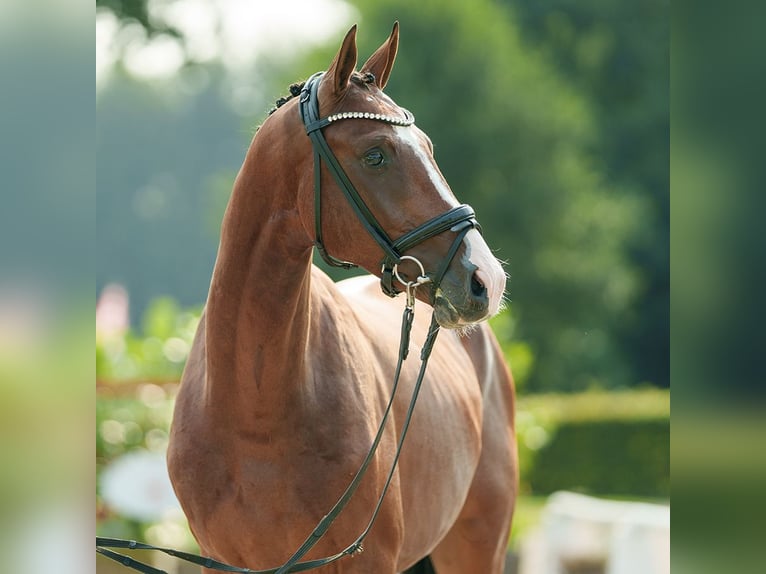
(257, 313)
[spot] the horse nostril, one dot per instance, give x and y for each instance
(478, 289)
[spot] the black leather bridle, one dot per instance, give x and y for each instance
(460, 219)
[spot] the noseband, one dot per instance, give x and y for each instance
(460, 219)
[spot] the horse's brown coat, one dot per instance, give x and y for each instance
(289, 372)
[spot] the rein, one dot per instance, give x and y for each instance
(459, 220)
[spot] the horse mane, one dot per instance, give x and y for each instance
(295, 89)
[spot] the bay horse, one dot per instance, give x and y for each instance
(289, 374)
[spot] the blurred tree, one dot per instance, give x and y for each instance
(617, 54)
(160, 159)
(137, 11)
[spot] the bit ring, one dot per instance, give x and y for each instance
(422, 278)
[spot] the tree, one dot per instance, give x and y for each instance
(136, 11)
(617, 54)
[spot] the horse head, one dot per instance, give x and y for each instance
(389, 166)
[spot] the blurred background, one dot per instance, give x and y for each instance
(550, 117)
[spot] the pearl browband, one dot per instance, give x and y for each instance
(406, 121)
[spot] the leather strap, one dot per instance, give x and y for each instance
(456, 219)
(309, 109)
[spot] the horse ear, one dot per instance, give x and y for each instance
(344, 63)
(382, 61)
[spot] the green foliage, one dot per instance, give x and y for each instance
(138, 374)
(136, 11)
(159, 182)
(602, 443)
(617, 55)
(139, 421)
(157, 353)
(609, 457)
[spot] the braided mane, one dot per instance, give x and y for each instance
(295, 89)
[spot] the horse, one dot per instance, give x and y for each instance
(289, 373)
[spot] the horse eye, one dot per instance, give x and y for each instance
(374, 158)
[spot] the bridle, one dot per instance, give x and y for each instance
(459, 220)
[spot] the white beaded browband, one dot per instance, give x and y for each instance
(406, 121)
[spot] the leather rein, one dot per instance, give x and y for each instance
(459, 220)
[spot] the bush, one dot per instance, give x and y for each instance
(157, 351)
(601, 443)
(137, 373)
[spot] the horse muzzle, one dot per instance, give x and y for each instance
(472, 289)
